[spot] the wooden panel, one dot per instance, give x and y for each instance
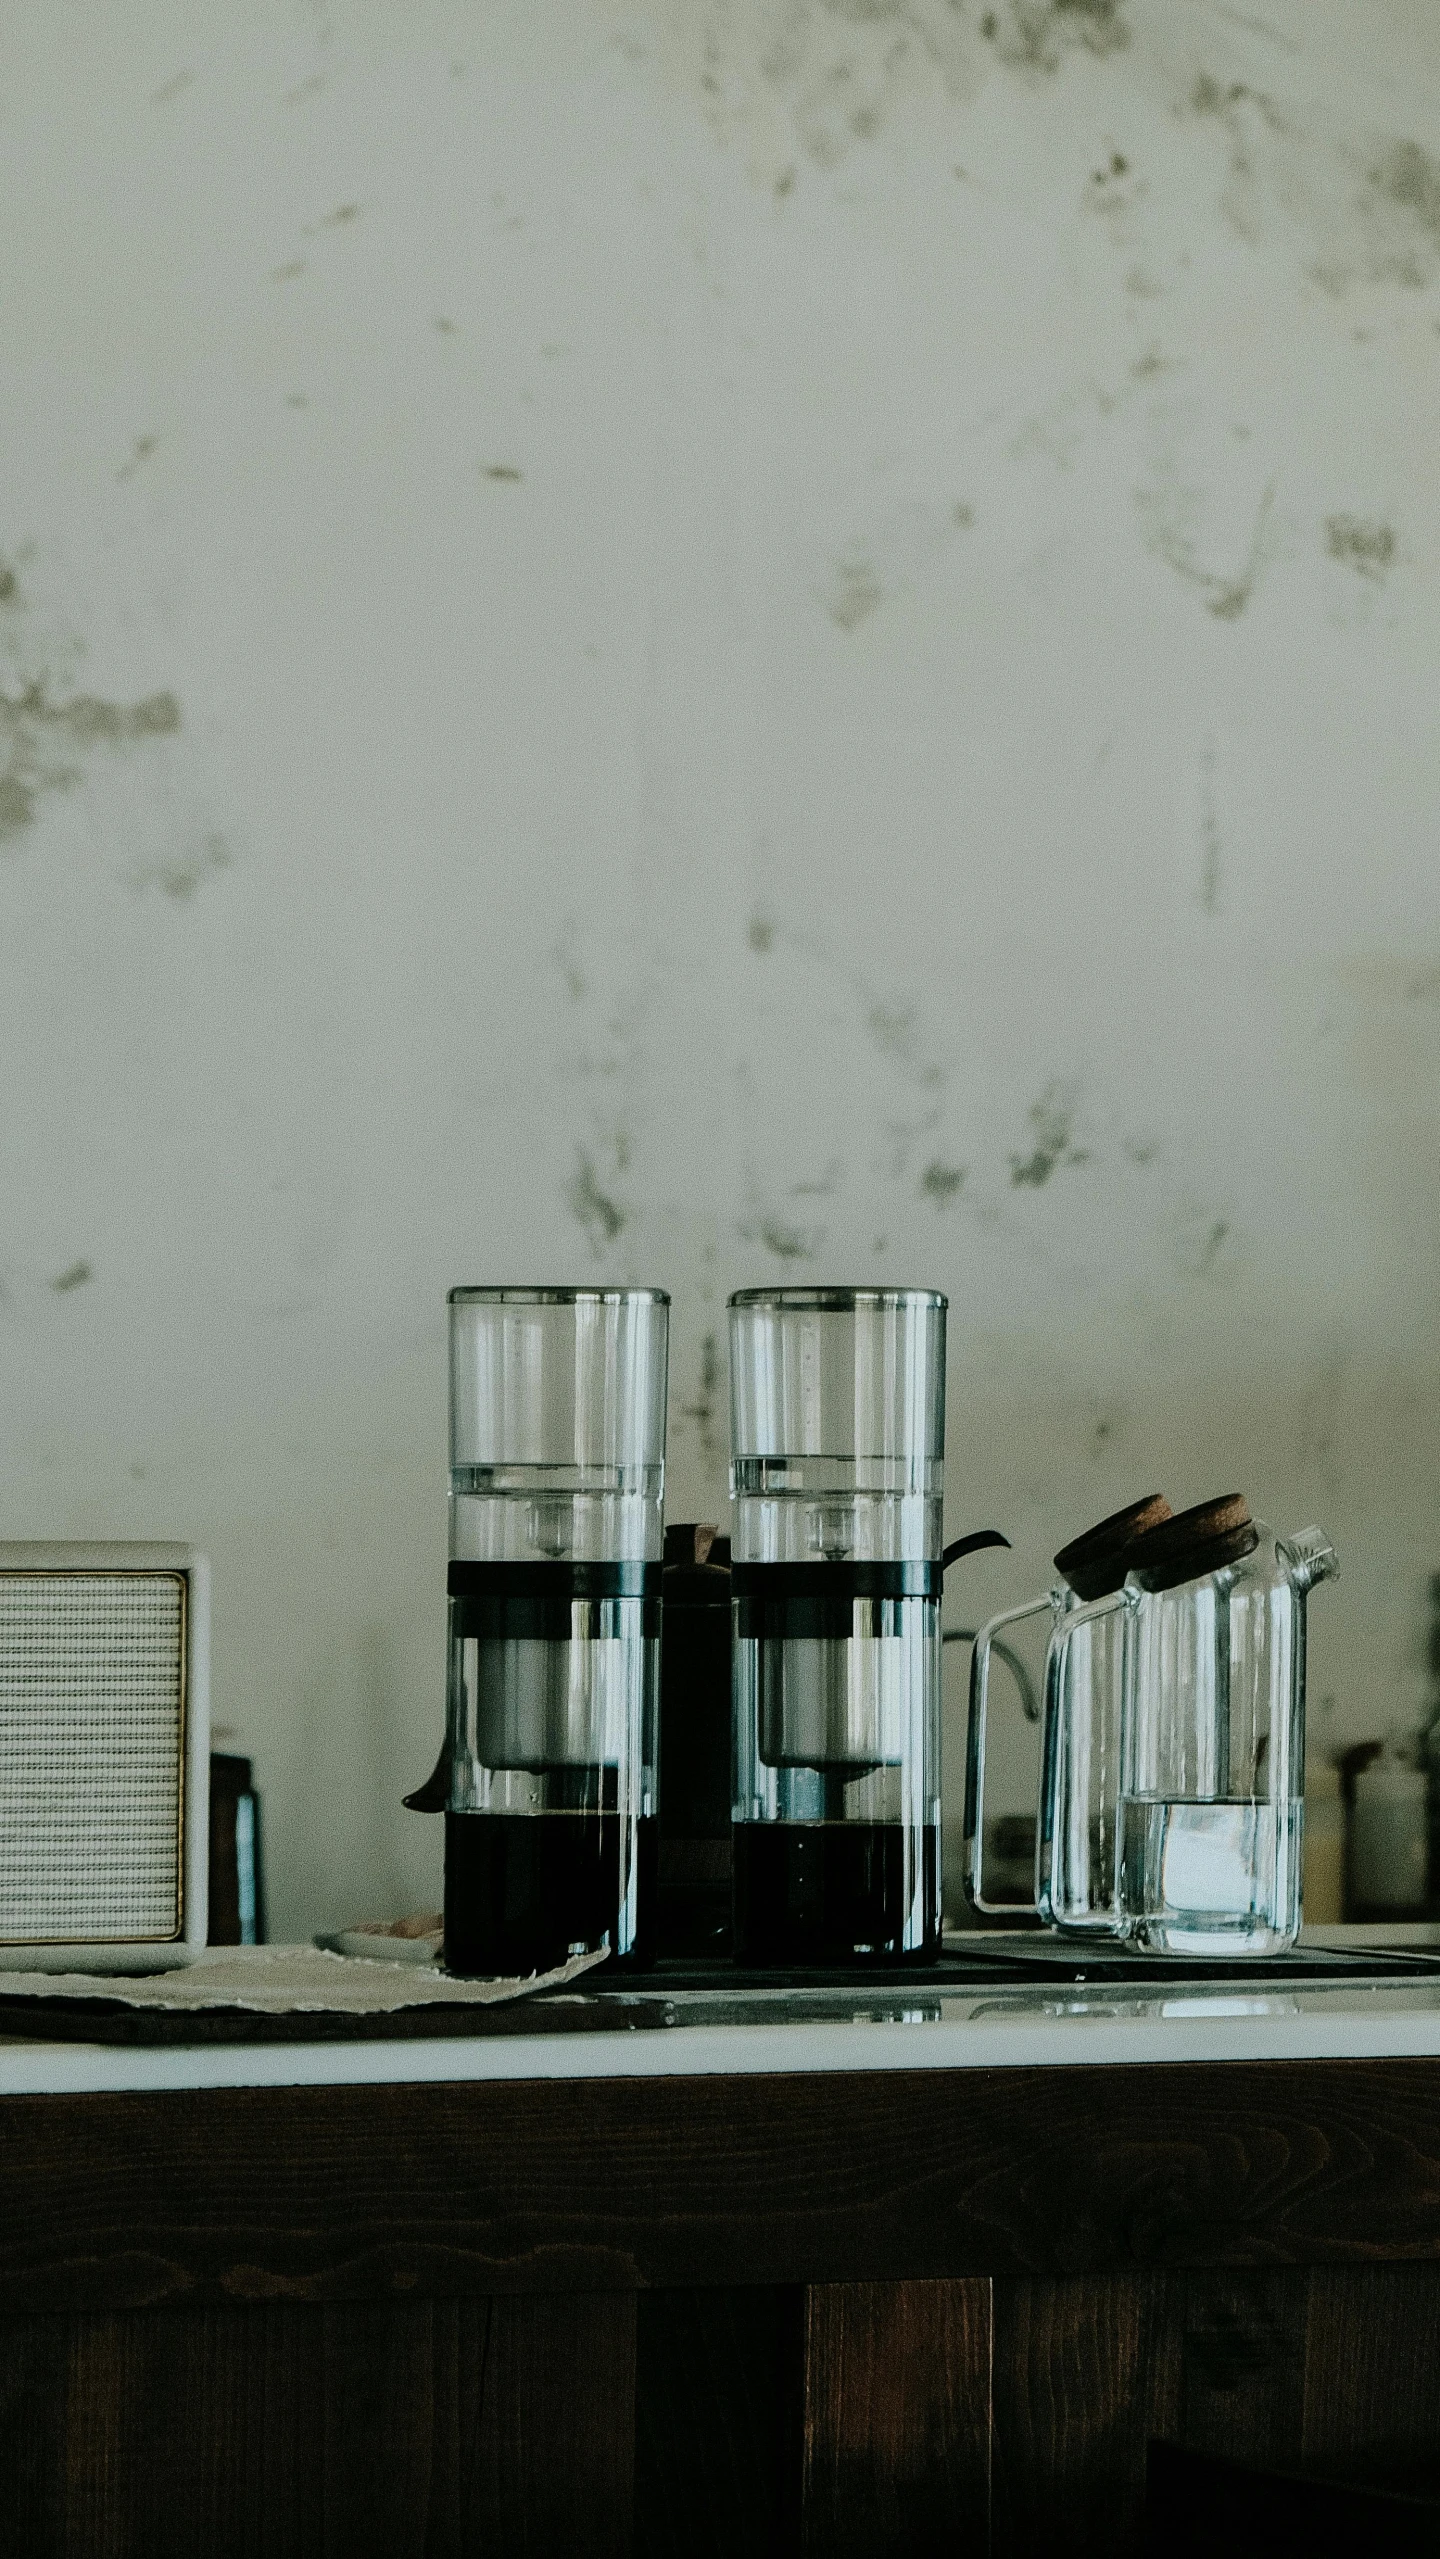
(132, 2434)
(346, 2193)
(1199, 2506)
(556, 2465)
(1324, 2369)
(32, 2429)
(1086, 2371)
(717, 2423)
(896, 2442)
(1243, 2344)
(1372, 2374)
(410, 2431)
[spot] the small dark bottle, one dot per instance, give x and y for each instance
(695, 1718)
(237, 1893)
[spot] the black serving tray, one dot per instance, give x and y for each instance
(1050, 1958)
(604, 2003)
(35, 2019)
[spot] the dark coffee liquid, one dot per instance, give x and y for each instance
(830, 1893)
(523, 1889)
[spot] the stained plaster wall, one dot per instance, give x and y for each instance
(712, 642)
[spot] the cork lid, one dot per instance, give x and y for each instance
(1194, 1543)
(1097, 1562)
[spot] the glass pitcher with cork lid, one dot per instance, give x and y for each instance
(1210, 1810)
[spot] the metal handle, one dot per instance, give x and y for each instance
(434, 1795)
(970, 1545)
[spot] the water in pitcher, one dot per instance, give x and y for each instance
(1210, 1878)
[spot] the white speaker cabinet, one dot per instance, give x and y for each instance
(104, 1757)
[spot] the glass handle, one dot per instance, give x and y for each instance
(1088, 1616)
(1057, 1704)
(975, 1755)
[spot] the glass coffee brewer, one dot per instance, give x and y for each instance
(837, 1485)
(547, 1777)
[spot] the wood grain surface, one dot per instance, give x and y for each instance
(717, 2422)
(897, 2426)
(350, 2193)
(856, 2417)
(1327, 2369)
(403, 2430)
(1086, 2371)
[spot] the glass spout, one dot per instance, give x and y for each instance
(1308, 1558)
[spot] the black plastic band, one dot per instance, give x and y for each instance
(524, 1620)
(553, 1581)
(911, 1580)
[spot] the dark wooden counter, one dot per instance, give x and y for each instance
(838, 2313)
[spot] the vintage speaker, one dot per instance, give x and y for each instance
(104, 1756)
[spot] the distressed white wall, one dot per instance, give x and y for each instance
(706, 640)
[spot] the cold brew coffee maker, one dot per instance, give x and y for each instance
(547, 1778)
(837, 1484)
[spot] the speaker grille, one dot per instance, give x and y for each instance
(92, 1730)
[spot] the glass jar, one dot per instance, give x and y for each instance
(1210, 1817)
(1076, 1886)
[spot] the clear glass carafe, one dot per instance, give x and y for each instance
(1210, 1811)
(547, 1778)
(1077, 1879)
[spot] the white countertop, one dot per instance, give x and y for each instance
(679, 2033)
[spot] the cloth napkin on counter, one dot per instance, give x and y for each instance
(276, 1980)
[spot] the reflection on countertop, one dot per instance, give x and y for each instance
(1001, 2003)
